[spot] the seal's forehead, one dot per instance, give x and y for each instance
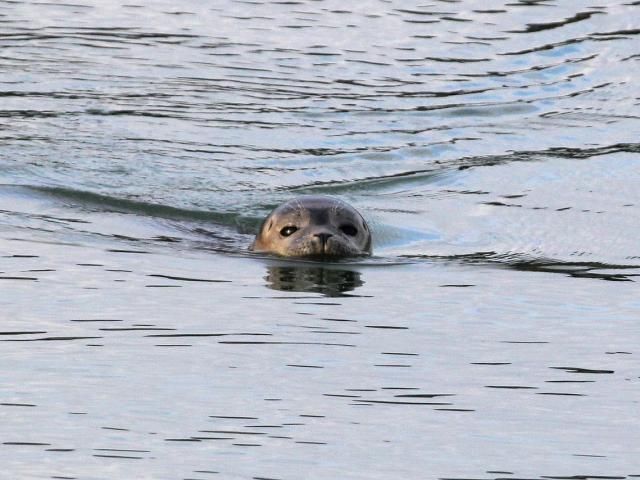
(318, 203)
(318, 208)
(290, 210)
(319, 214)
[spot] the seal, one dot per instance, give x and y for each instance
(314, 226)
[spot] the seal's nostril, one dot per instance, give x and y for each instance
(324, 236)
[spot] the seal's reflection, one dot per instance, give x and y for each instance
(330, 282)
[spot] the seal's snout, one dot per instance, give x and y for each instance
(323, 236)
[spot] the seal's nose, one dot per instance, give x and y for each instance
(323, 236)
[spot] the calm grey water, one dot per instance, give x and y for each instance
(492, 146)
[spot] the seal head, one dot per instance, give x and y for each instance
(314, 226)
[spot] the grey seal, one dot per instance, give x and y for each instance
(314, 226)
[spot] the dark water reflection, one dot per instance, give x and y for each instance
(328, 281)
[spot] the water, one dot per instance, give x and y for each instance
(492, 148)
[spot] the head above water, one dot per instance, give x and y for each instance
(314, 226)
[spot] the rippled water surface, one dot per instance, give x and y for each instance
(493, 148)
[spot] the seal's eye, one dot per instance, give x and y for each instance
(349, 229)
(286, 231)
